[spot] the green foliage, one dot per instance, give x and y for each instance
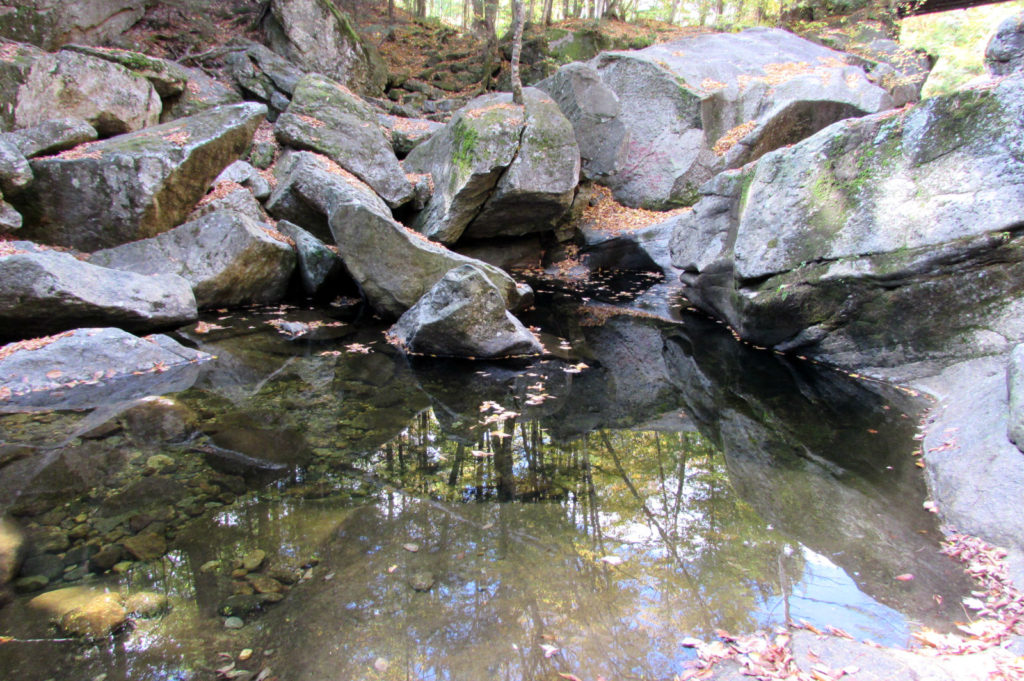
(958, 38)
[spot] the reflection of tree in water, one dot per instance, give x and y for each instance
(661, 501)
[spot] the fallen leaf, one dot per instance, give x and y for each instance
(56, 373)
(548, 649)
(906, 577)
(570, 677)
(611, 560)
(380, 664)
(411, 548)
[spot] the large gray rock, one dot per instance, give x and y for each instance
(319, 36)
(96, 366)
(847, 244)
(50, 137)
(329, 119)
(227, 258)
(690, 108)
(1005, 51)
(201, 92)
(464, 315)
(52, 23)
(106, 95)
(137, 185)
(10, 219)
(537, 188)
(47, 291)
(593, 109)
(498, 169)
(394, 266)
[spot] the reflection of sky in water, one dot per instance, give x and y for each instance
(826, 595)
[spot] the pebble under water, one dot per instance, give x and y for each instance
(320, 506)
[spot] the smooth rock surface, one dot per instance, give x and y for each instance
(48, 291)
(134, 186)
(82, 611)
(1005, 51)
(1015, 391)
(51, 136)
(463, 315)
(52, 23)
(321, 270)
(227, 258)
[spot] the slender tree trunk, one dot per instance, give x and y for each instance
(517, 48)
(391, 10)
(547, 12)
(529, 11)
(673, 11)
(467, 12)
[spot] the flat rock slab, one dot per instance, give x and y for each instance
(227, 258)
(47, 291)
(51, 136)
(87, 367)
(134, 186)
(51, 24)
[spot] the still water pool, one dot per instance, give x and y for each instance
(367, 515)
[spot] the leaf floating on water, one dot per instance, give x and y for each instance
(392, 568)
(906, 577)
(548, 649)
(380, 664)
(411, 547)
(930, 507)
(690, 642)
(570, 677)
(611, 560)
(478, 453)
(56, 373)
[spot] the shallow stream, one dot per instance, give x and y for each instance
(420, 518)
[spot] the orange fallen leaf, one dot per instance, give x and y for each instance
(55, 373)
(906, 577)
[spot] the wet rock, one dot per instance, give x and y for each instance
(51, 24)
(133, 186)
(463, 315)
(106, 558)
(321, 270)
(80, 554)
(234, 623)
(12, 550)
(147, 546)
(82, 611)
(50, 291)
(329, 119)
(318, 35)
(146, 604)
(95, 365)
(30, 584)
(46, 565)
(51, 136)
(226, 257)
(252, 560)
(241, 605)
(1005, 51)
(47, 539)
(159, 419)
(155, 491)
(422, 581)
(264, 584)
(108, 96)
(593, 109)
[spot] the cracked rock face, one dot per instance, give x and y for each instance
(498, 169)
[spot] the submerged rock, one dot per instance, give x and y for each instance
(133, 186)
(464, 315)
(226, 257)
(47, 291)
(82, 611)
(847, 244)
(85, 367)
(12, 550)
